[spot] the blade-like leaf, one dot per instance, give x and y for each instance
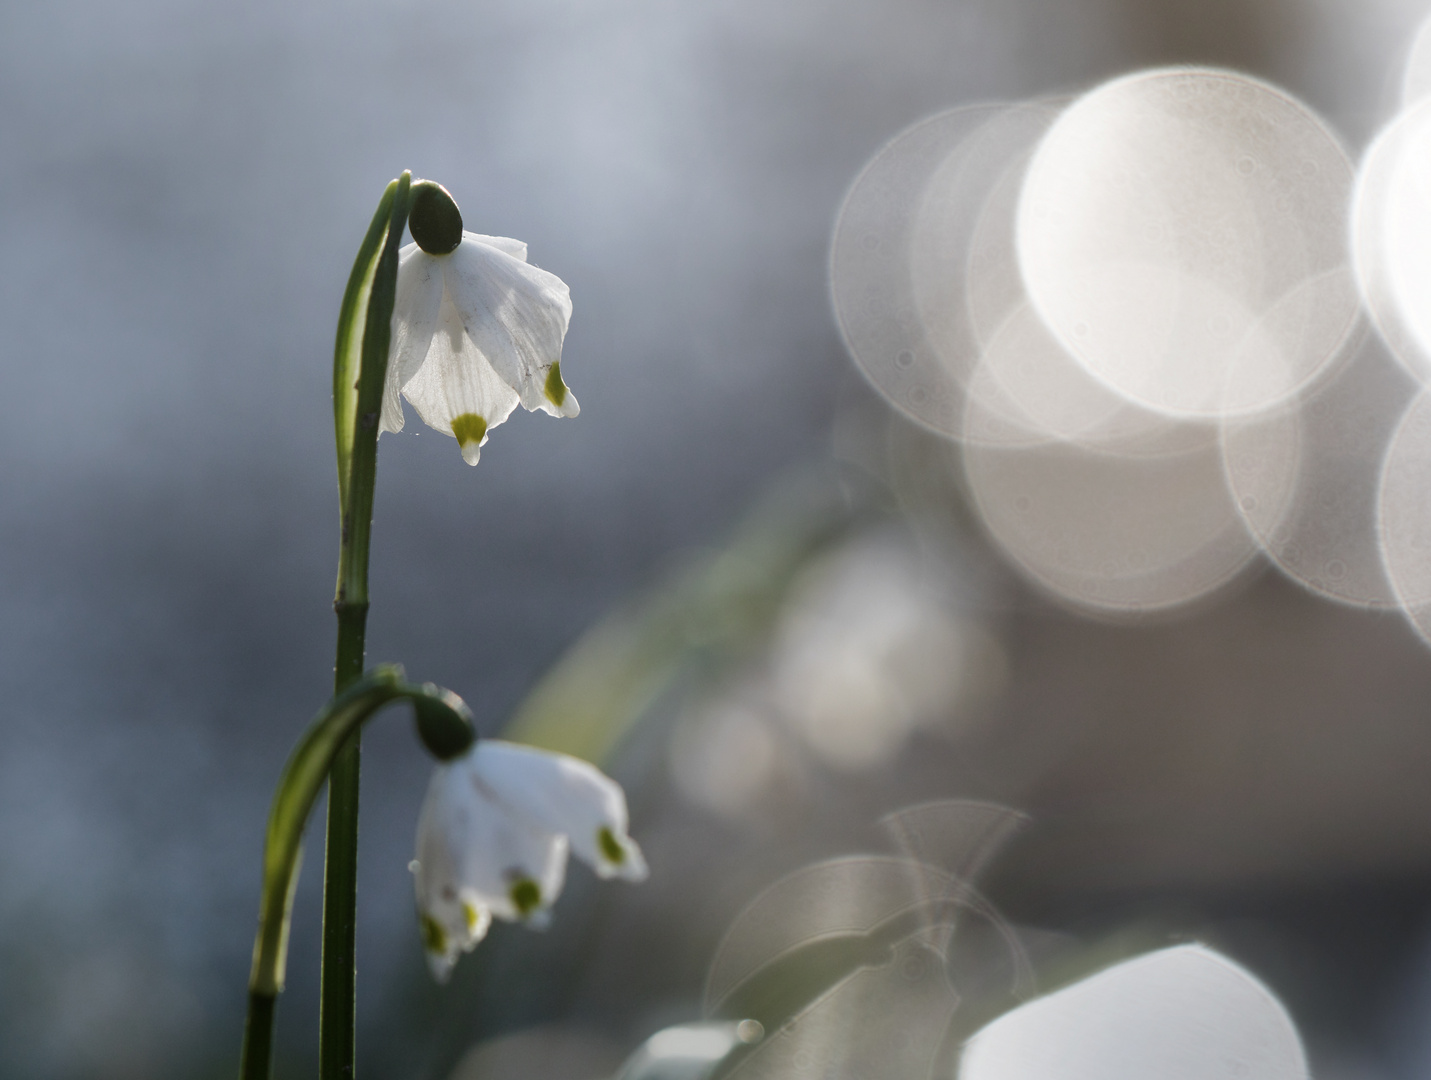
(358, 385)
(352, 321)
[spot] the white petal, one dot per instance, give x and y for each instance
(455, 387)
(415, 308)
(566, 795)
(453, 920)
(517, 316)
(515, 248)
(471, 849)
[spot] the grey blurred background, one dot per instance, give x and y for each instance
(184, 187)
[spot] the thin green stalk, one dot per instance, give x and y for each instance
(445, 727)
(257, 1057)
(357, 404)
(329, 750)
(338, 988)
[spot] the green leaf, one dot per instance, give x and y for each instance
(348, 353)
(360, 355)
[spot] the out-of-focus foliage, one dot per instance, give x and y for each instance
(706, 616)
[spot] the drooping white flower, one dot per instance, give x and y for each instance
(493, 839)
(476, 329)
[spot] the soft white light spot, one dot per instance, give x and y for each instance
(1028, 390)
(1416, 74)
(882, 315)
(962, 264)
(1025, 387)
(700, 1043)
(1149, 527)
(1391, 235)
(1185, 1013)
(1180, 232)
(723, 757)
(1405, 514)
(865, 652)
(1306, 478)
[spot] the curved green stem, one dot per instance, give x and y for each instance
(359, 367)
(308, 767)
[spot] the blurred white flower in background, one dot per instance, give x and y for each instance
(725, 755)
(476, 329)
(1185, 1013)
(867, 651)
(493, 839)
(869, 648)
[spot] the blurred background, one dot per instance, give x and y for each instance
(754, 591)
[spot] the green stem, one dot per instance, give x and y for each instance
(331, 745)
(337, 1001)
(356, 429)
(445, 726)
(257, 1057)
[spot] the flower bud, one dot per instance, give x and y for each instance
(433, 218)
(444, 723)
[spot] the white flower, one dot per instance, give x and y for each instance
(493, 839)
(1182, 1013)
(476, 329)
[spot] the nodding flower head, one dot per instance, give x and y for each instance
(493, 840)
(477, 330)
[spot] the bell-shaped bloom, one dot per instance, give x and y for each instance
(493, 840)
(475, 332)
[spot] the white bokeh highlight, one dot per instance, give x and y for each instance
(1305, 479)
(871, 284)
(1123, 533)
(1416, 72)
(1024, 387)
(900, 260)
(1185, 1013)
(1140, 314)
(1391, 235)
(1405, 515)
(1181, 232)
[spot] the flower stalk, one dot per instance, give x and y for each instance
(498, 345)
(359, 368)
(443, 722)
